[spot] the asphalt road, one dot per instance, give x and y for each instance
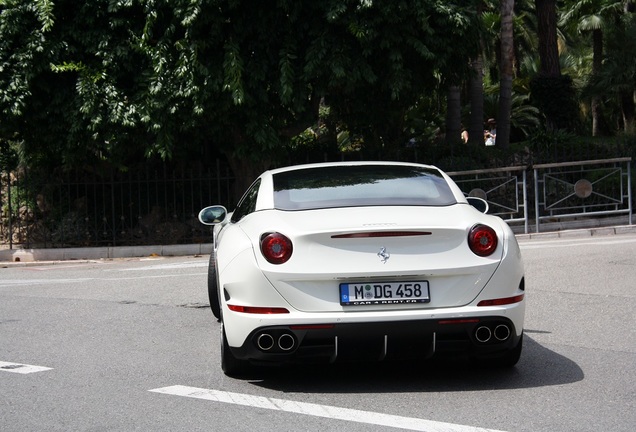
(130, 345)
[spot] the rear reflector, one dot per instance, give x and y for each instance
(383, 234)
(501, 301)
(258, 310)
(312, 327)
(459, 321)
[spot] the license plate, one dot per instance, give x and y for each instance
(384, 293)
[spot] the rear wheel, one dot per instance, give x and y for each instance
(230, 365)
(213, 288)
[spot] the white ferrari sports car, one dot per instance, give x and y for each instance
(355, 261)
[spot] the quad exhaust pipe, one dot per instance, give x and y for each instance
(265, 342)
(485, 334)
(502, 332)
(285, 342)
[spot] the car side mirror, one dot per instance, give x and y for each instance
(479, 203)
(213, 215)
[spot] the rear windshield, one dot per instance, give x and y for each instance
(360, 185)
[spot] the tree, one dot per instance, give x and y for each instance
(476, 88)
(476, 84)
(616, 80)
(70, 82)
(547, 32)
(453, 116)
(180, 77)
(505, 77)
(404, 52)
(551, 91)
(487, 65)
(593, 16)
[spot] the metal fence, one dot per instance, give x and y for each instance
(505, 190)
(592, 188)
(557, 191)
(109, 209)
(159, 207)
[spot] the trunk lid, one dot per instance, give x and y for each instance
(377, 245)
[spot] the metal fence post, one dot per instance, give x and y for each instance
(629, 190)
(218, 179)
(536, 198)
(525, 202)
(112, 204)
(10, 210)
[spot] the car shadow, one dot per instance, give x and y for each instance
(538, 367)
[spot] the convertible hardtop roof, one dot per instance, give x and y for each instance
(348, 163)
(334, 184)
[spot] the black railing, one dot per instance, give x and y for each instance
(111, 209)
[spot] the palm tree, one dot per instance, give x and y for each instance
(453, 116)
(476, 91)
(552, 91)
(505, 73)
(617, 78)
(492, 67)
(593, 16)
(548, 46)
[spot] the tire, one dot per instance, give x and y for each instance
(230, 365)
(213, 288)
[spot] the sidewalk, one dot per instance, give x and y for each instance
(580, 233)
(24, 256)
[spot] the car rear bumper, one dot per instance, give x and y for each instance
(377, 341)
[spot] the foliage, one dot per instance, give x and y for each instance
(588, 15)
(100, 86)
(66, 81)
(555, 97)
(118, 82)
(524, 117)
(401, 72)
(112, 81)
(544, 141)
(8, 156)
(617, 76)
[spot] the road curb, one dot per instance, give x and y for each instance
(580, 233)
(24, 256)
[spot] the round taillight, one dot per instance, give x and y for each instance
(482, 240)
(276, 248)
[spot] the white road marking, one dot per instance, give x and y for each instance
(31, 282)
(57, 266)
(22, 282)
(180, 275)
(168, 266)
(331, 412)
(21, 368)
